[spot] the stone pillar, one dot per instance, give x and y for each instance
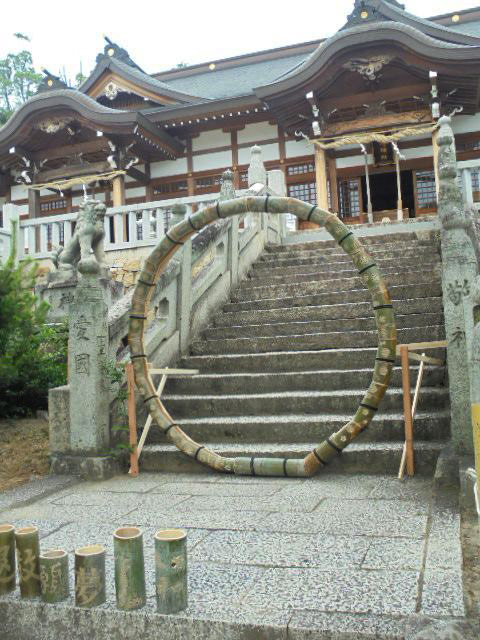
(227, 192)
(86, 444)
(459, 266)
(257, 173)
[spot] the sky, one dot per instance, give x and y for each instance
(159, 34)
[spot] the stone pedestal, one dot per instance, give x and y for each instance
(81, 445)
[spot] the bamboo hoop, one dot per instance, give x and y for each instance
(369, 273)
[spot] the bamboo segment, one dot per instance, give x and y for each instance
(54, 576)
(7, 559)
(171, 579)
(370, 275)
(28, 552)
(129, 568)
(407, 410)
(90, 576)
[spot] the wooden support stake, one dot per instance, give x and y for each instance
(132, 420)
(407, 410)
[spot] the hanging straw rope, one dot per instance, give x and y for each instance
(62, 185)
(374, 136)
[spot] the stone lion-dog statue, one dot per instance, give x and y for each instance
(84, 251)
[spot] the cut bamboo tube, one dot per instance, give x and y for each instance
(90, 576)
(28, 552)
(132, 420)
(171, 579)
(129, 568)
(7, 559)
(407, 410)
(54, 575)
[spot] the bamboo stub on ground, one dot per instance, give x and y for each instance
(54, 575)
(28, 552)
(171, 575)
(129, 568)
(7, 559)
(90, 576)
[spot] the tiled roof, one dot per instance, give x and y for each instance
(234, 81)
(472, 28)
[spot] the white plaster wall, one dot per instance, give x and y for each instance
(466, 124)
(269, 152)
(211, 139)
(256, 132)
(168, 168)
(417, 152)
(19, 192)
(353, 161)
(295, 148)
(137, 192)
(212, 161)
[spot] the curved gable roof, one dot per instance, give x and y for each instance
(135, 77)
(371, 33)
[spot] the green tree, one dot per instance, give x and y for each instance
(32, 354)
(18, 80)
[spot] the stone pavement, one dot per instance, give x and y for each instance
(331, 557)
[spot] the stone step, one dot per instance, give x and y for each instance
(337, 255)
(365, 457)
(361, 310)
(260, 269)
(287, 361)
(402, 292)
(291, 428)
(247, 290)
(313, 341)
(307, 402)
(319, 326)
(387, 238)
(265, 277)
(270, 382)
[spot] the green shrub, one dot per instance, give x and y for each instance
(33, 355)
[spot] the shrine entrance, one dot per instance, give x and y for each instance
(384, 193)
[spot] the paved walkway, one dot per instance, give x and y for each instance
(358, 554)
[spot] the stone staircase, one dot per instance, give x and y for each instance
(287, 360)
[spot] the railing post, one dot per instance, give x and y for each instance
(467, 185)
(232, 251)
(184, 282)
(459, 270)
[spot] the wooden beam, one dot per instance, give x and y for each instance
(137, 175)
(72, 171)
(321, 177)
(92, 146)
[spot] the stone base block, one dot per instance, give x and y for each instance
(87, 467)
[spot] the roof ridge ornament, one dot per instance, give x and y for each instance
(50, 82)
(113, 50)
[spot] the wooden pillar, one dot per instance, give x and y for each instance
(33, 203)
(118, 189)
(321, 182)
(399, 187)
(190, 178)
(282, 151)
(234, 146)
(435, 159)
(332, 173)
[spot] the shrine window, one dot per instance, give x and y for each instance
(299, 169)
(475, 173)
(53, 205)
(306, 191)
(209, 183)
(349, 198)
(171, 189)
(426, 191)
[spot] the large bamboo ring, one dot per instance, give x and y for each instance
(384, 316)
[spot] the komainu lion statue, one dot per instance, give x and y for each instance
(84, 251)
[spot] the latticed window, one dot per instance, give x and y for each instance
(298, 169)
(170, 187)
(426, 190)
(53, 205)
(305, 191)
(475, 173)
(208, 181)
(349, 198)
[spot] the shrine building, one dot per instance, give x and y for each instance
(349, 120)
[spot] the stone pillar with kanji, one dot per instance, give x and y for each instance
(459, 270)
(80, 412)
